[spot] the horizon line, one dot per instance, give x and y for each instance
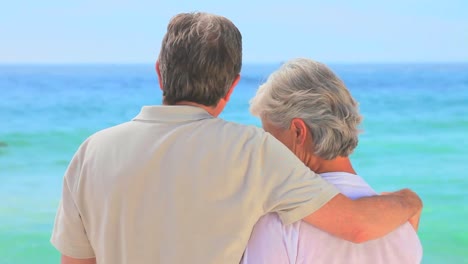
(243, 63)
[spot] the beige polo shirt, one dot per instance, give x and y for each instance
(176, 185)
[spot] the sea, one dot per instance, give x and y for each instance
(414, 135)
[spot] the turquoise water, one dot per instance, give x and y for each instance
(415, 129)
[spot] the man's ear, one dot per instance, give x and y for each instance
(159, 75)
(234, 84)
(299, 130)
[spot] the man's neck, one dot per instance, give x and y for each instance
(214, 111)
(342, 164)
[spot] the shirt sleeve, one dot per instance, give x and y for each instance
(293, 190)
(272, 242)
(69, 234)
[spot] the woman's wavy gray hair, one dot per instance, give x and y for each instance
(309, 90)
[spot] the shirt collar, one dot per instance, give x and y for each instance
(341, 175)
(172, 113)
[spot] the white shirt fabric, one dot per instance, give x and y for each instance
(272, 242)
(176, 185)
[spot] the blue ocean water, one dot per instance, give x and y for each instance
(414, 135)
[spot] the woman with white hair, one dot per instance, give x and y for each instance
(309, 109)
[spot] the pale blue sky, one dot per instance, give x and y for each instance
(117, 31)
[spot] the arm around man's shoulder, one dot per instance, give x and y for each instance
(366, 218)
(69, 260)
(295, 192)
